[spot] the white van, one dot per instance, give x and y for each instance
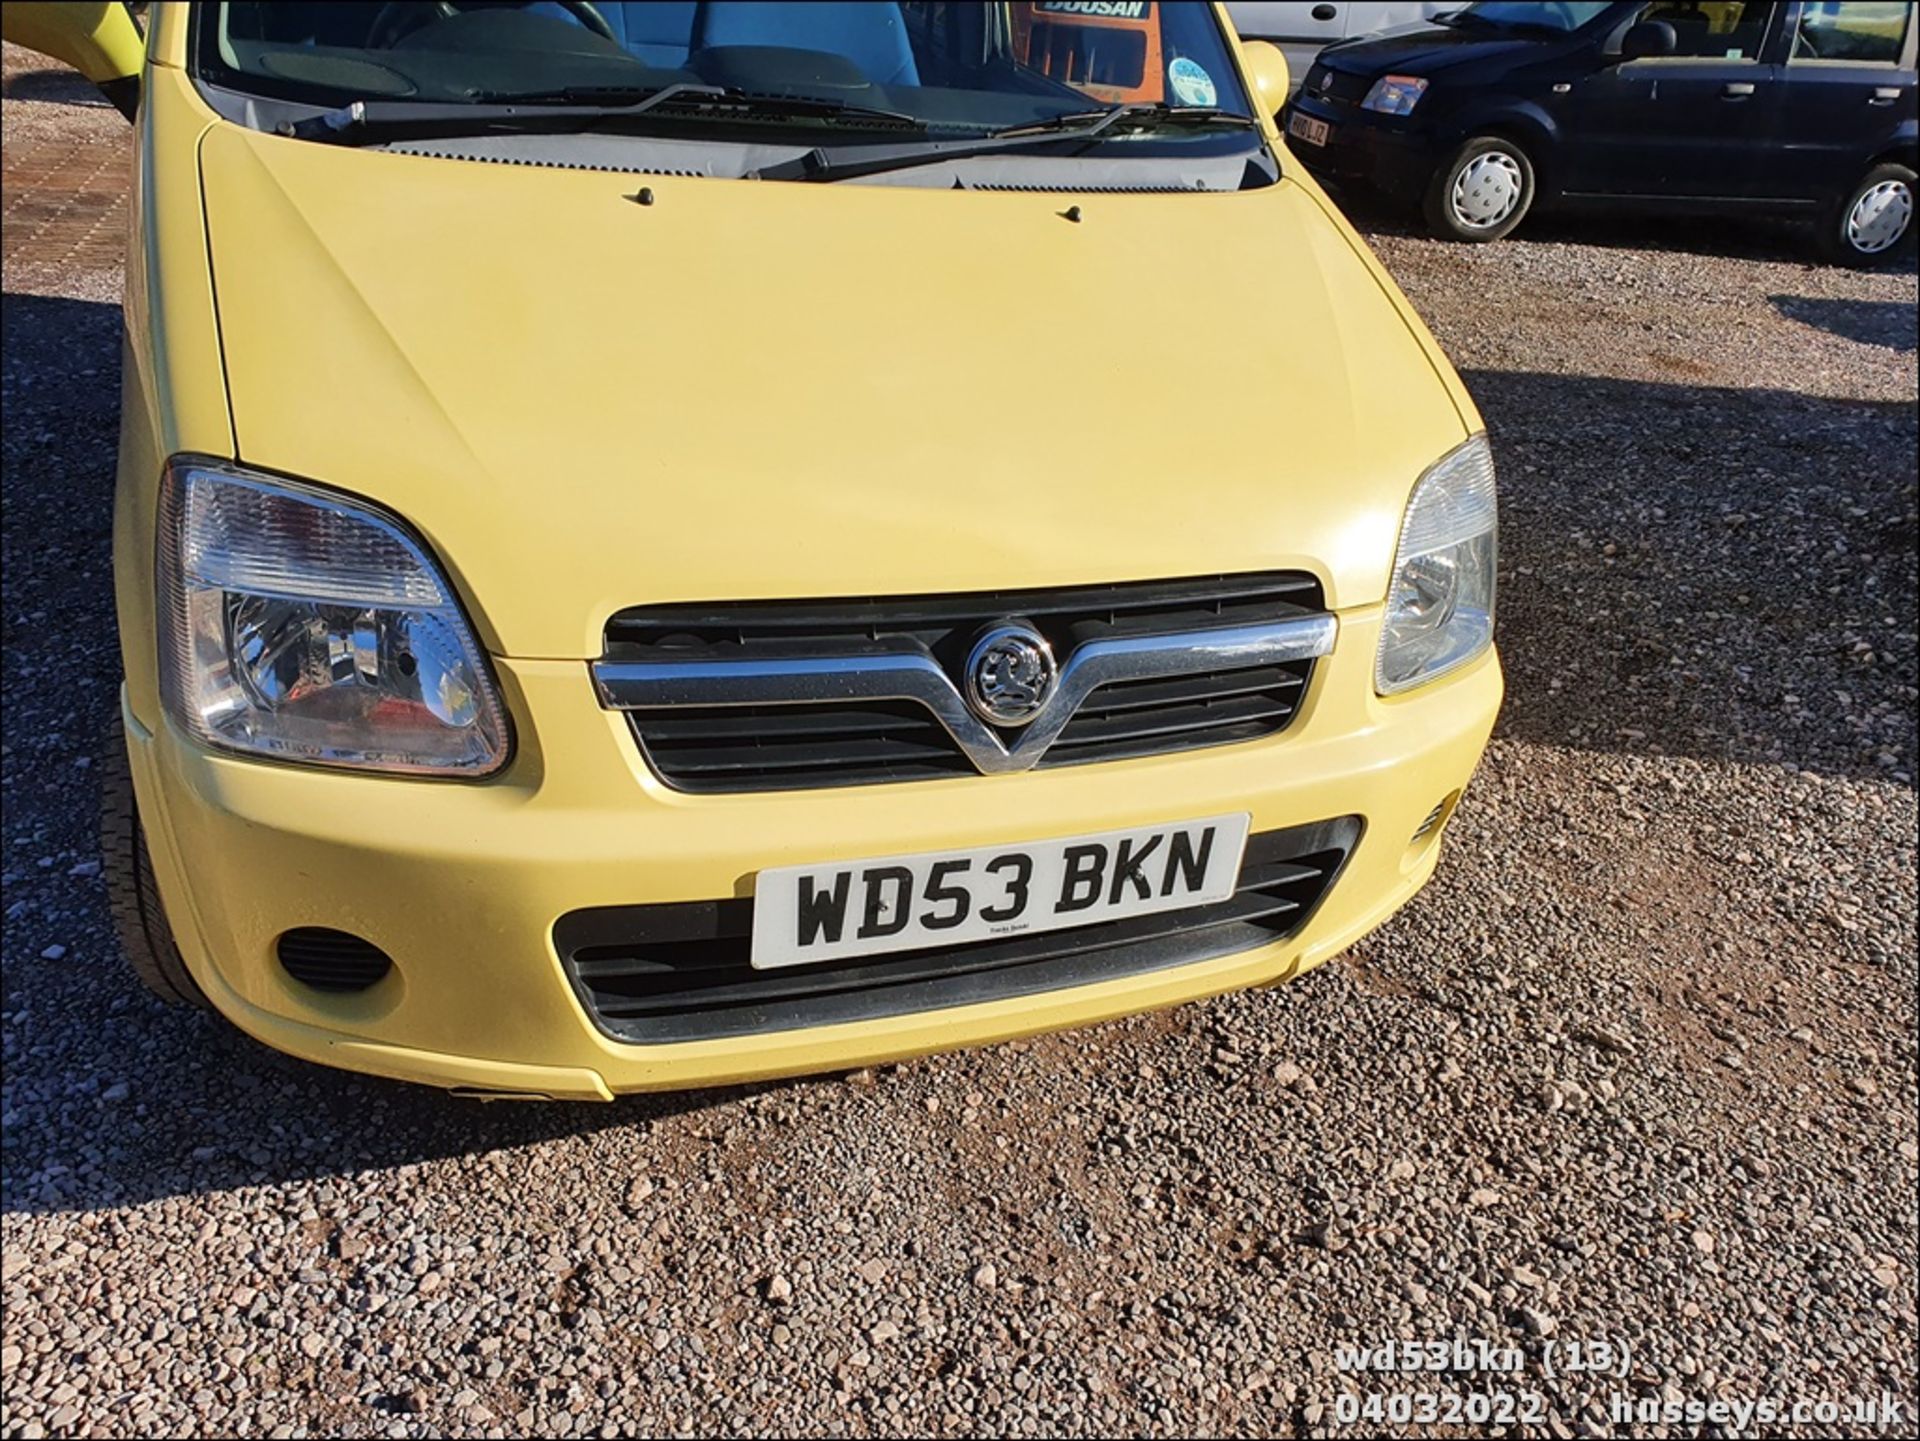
(1302, 27)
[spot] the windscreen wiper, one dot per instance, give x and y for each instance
(372, 122)
(1082, 127)
(692, 94)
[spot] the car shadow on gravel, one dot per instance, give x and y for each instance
(1701, 571)
(1767, 238)
(1866, 322)
(1678, 561)
(156, 1102)
(54, 87)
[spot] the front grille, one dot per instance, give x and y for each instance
(1335, 87)
(775, 747)
(680, 972)
(789, 746)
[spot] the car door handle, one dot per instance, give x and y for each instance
(1885, 95)
(1736, 90)
(1325, 12)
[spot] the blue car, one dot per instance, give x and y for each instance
(1800, 108)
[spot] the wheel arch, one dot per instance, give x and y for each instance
(1902, 152)
(1522, 122)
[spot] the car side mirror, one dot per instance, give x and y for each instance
(98, 38)
(1649, 40)
(1267, 69)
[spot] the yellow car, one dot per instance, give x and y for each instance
(666, 544)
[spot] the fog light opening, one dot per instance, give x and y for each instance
(329, 960)
(1436, 818)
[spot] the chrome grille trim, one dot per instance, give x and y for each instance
(906, 671)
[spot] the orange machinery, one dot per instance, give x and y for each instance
(1110, 49)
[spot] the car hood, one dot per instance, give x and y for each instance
(752, 390)
(1421, 49)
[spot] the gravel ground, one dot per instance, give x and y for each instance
(1638, 1066)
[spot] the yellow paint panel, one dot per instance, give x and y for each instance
(785, 389)
(172, 391)
(98, 37)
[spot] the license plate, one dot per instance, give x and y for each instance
(1305, 127)
(803, 915)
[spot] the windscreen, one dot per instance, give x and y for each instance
(1564, 16)
(960, 65)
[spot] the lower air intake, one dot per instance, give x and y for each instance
(681, 971)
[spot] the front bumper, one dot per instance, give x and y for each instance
(462, 883)
(1364, 148)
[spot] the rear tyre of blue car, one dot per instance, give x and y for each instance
(1871, 221)
(1482, 191)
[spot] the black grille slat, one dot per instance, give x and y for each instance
(814, 744)
(1136, 747)
(730, 748)
(1170, 721)
(872, 615)
(720, 723)
(775, 778)
(682, 971)
(1136, 718)
(857, 751)
(1217, 685)
(1277, 873)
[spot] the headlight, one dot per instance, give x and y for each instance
(1440, 601)
(303, 627)
(1395, 94)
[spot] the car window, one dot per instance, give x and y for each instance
(1551, 16)
(1713, 29)
(962, 65)
(1858, 32)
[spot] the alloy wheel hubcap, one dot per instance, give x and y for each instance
(1487, 190)
(1880, 217)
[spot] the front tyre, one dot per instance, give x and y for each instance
(132, 894)
(1869, 221)
(1482, 191)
